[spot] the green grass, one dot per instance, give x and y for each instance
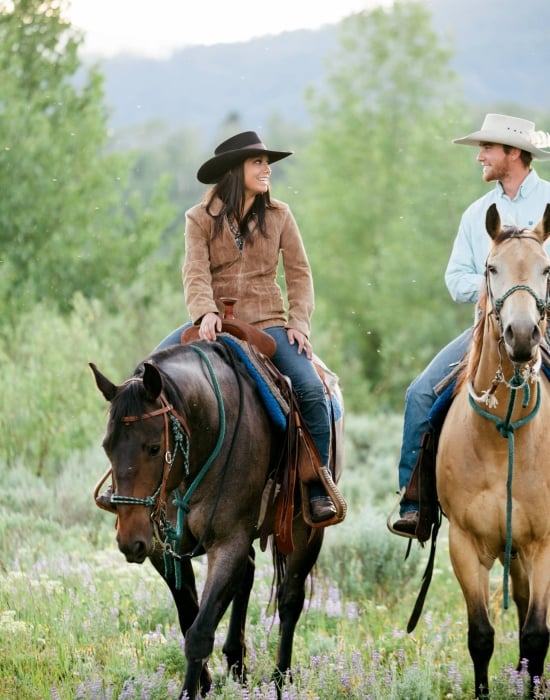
(78, 622)
(87, 625)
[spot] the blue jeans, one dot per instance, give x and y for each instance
(419, 398)
(174, 338)
(309, 389)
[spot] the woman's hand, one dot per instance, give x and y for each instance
(211, 324)
(303, 343)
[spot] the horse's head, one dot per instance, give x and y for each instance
(517, 273)
(138, 444)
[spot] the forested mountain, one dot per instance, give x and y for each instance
(501, 48)
(199, 85)
(501, 51)
(92, 230)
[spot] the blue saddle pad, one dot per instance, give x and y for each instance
(439, 410)
(272, 405)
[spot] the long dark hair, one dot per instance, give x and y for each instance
(230, 189)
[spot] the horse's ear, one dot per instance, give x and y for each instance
(107, 388)
(492, 221)
(542, 229)
(152, 381)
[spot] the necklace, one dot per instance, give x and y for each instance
(236, 233)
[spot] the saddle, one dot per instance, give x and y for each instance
(299, 462)
(422, 486)
(244, 331)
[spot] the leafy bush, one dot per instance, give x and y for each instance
(366, 560)
(49, 405)
(373, 444)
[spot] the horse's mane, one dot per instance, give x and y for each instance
(474, 351)
(513, 232)
(130, 399)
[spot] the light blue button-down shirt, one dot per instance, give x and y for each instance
(466, 268)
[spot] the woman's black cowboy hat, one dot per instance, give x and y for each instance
(234, 151)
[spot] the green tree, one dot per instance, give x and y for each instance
(382, 195)
(68, 218)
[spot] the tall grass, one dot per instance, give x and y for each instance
(78, 622)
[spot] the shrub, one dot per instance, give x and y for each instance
(366, 560)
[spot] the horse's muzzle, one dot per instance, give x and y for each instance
(522, 341)
(136, 545)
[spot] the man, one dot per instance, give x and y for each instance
(507, 146)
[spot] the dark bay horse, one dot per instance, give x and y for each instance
(493, 459)
(191, 447)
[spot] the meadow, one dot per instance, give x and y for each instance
(77, 622)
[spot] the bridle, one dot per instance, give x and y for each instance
(174, 425)
(530, 371)
(497, 304)
(542, 304)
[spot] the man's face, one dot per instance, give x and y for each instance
(496, 163)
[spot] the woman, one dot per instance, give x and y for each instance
(233, 241)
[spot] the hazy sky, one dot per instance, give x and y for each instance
(157, 27)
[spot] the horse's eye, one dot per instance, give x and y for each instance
(154, 450)
(491, 269)
(547, 271)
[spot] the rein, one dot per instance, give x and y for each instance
(157, 500)
(519, 380)
(174, 535)
(506, 429)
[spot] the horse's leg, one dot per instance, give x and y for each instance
(227, 565)
(534, 635)
(187, 605)
(473, 577)
(291, 594)
(234, 648)
(520, 589)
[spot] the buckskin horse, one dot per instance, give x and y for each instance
(493, 458)
(191, 448)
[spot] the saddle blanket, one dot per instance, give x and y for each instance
(274, 402)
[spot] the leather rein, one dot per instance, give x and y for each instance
(506, 427)
(175, 426)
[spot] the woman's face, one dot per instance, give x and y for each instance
(256, 175)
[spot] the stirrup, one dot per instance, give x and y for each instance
(333, 493)
(394, 510)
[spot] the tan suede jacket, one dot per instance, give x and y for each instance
(217, 268)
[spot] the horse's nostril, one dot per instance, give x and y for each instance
(522, 339)
(134, 551)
